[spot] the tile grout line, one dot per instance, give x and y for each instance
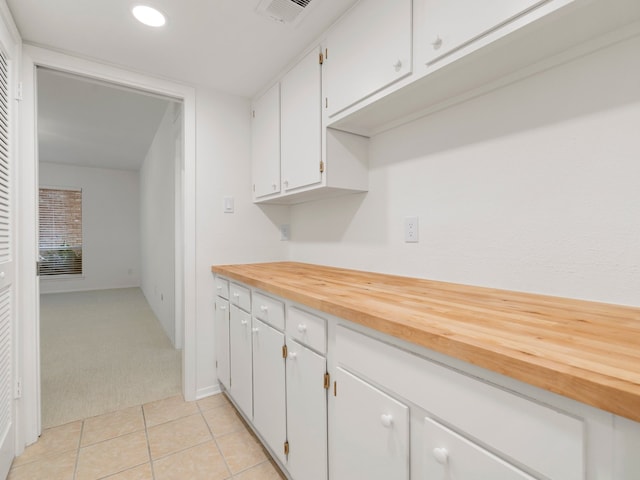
(146, 435)
(77, 463)
(215, 441)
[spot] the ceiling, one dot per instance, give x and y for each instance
(222, 44)
(92, 124)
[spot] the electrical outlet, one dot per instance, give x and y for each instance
(411, 229)
(285, 232)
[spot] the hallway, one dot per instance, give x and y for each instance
(102, 351)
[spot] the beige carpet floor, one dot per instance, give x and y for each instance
(102, 351)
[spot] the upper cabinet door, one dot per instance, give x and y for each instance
(367, 50)
(452, 24)
(265, 143)
(301, 100)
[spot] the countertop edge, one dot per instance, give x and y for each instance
(563, 379)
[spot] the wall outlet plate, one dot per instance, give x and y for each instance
(411, 229)
(285, 232)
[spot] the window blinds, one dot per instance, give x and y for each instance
(60, 231)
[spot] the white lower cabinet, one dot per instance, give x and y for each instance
(370, 436)
(221, 332)
(241, 384)
(306, 413)
(450, 456)
(269, 404)
(393, 412)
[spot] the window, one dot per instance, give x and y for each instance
(60, 231)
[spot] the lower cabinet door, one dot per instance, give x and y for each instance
(451, 456)
(269, 404)
(306, 413)
(221, 332)
(240, 385)
(369, 432)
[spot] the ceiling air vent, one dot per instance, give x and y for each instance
(283, 11)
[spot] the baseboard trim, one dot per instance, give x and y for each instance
(208, 391)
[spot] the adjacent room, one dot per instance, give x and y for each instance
(108, 163)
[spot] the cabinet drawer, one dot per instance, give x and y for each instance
(240, 296)
(222, 287)
(503, 421)
(446, 452)
(307, 329)
(268, 310)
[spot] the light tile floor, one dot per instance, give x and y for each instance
(164, 440)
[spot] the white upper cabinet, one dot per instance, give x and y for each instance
(451, 24)
(301, 129)
(368, 49)
(265, 143)
(287, 130)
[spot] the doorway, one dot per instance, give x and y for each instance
(29, 408)
(107, 217)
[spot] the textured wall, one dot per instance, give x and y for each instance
(532, 187)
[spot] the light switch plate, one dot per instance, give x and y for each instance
(228, 205)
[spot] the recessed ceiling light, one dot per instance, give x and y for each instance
(149, 16)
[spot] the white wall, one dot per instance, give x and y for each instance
(250, 234)
(110, 219)
(157, 221)
(533, 187)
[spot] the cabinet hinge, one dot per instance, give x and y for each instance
(320, 58)
(19, 91)
(216, 363)
(326, 102)
(284, 351)
(253, 114)
(335, 389)
(286, 448)
(326, 53)
(321, 166)
(254, 188)
(327, 381)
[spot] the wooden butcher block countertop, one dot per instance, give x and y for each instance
(586, 351)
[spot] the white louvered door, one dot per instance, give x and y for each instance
(6, 276)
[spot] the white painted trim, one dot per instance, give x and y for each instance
(13, 37)
(36, 56)
(208, 391)
(10, 44)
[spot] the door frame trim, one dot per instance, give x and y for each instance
(29, 426)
